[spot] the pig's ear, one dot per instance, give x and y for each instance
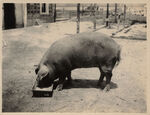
(36, 70)
(43, 71)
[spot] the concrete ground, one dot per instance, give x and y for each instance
(26, 46)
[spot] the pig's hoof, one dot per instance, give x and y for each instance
(107, 88)
(59, 87)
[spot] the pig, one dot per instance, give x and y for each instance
(83, 50)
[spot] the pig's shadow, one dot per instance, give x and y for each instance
(85, 83)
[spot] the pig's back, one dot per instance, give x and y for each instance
(81, 49)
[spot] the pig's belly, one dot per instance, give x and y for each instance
(84, 63)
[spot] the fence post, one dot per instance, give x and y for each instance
(107, 15)
(94, 14)
(124, 14)
(94, 21)
(115, 13)
(78, 18)
(55, 13)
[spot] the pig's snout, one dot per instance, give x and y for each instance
(44, 82)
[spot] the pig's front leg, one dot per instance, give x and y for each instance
(60, 83)
(69, 78)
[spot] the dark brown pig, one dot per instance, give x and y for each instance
(82, 50)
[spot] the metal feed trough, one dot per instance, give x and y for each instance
(42, 92)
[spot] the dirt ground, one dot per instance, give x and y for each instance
(26, 46)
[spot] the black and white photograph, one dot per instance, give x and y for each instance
(74, 57)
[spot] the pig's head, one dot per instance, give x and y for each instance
(45, 76)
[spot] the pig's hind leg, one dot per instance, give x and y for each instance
(108, 79)
(108, 73)
(100, 81)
